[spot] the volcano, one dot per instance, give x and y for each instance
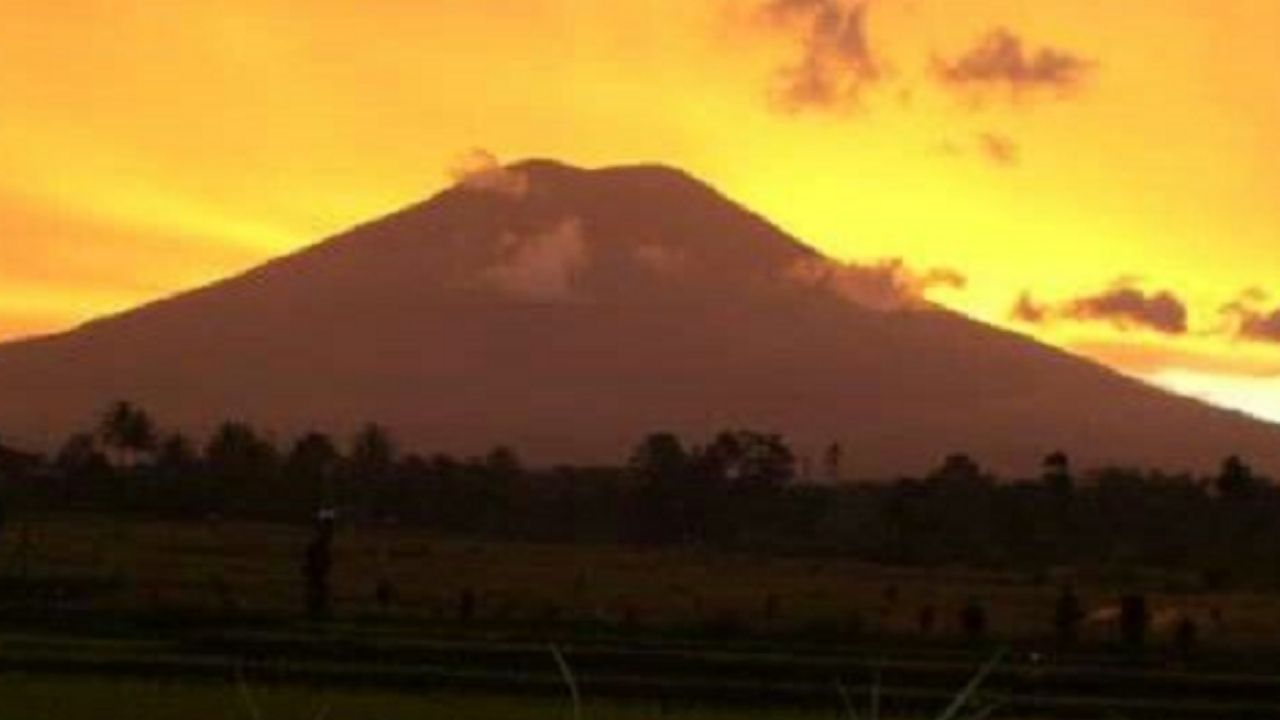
(568, 312)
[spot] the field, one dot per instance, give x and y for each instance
(233, 568)
(171, 616)
(49, 698)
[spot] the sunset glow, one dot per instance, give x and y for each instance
(147, 148)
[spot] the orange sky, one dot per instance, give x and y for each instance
(147, 147)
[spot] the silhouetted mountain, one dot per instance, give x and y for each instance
(567, 312)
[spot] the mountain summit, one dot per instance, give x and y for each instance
(567, 312)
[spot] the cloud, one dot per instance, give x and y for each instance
(1248, 321)
(479, 170)
(1122, 306)
(836, 62)
(1001, 59)
(999, 149)
(995, 148)
(542, 267)
(884, 285)
(1027, 310)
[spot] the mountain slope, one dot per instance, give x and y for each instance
(570, 312)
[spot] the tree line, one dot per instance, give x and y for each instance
(740, 489)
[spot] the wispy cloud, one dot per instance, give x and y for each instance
(1002, 59)
(883, 285)
(479, 170)
(541, 267)
(999, 149)
(836, 62)
(1249, 319)
(1121, 306)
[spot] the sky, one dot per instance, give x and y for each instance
(1099, 173)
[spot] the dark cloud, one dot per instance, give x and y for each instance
(1027, 310)
(1247, 320)
(1001, 59)
(883, 285)
(836, 63)
(1122, 306)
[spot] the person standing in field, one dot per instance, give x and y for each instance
(316, 566)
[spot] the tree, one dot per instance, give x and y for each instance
(80, 457)
(666, 494)
(373, 458)
(313, 464)
(959, 470)
(241, 464)
(372, 453)
(659, 459)
(1236, 480)
(831, 461)
(175, 457)
(751, 461)
(1057, 474)
(128, 430)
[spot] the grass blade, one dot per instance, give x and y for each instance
(962, 699)
(567, 673)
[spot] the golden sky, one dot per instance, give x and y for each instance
(1110, 162)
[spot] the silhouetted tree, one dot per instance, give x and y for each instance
(831, 460)
(659, 459)
(128, 430)
(1057, 474)
(751, 460)
(960, 470)
(241, 464)
(665, 496)
(80, 457)
(175, 455)
(312, 467)
(373, 457)
(1236, 480)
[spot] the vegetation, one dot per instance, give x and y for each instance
(212, 552)
(741, 490)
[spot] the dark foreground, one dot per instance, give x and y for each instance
(441, 627)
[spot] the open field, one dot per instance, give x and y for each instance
(176, 613)
(61, 698)
(223, 569)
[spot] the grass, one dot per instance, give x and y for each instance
(242, 567)
(45, 698)
(40, 697)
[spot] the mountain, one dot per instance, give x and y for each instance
(567, 312)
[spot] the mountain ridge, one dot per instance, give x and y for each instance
(567, 312)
